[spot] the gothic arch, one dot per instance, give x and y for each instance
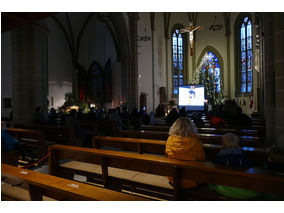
(127, 58)
(218, 55)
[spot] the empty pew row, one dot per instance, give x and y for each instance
(249, 141)
(40, 185)
(256, 155)
(156, 167)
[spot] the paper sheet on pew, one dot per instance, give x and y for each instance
(80, 178)
(73, 185)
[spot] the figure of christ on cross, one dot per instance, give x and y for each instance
(191, 29)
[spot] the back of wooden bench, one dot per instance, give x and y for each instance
(249, 141)
(32, 138)
(253, 179)
(62, 189)
(58, 134)
(249, 132)
(256, 155)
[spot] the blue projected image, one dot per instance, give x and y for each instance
(192, 97)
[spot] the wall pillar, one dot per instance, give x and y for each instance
(274, 76)
(29, 72)
(133, 72)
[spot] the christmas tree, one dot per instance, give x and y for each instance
(208, 74)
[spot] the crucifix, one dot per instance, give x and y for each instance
(190, 30)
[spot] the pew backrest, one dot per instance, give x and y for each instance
(58, 134)
(253, 179)
(62, 189)
(256, 155)
(32, 138)
(208, 130)
(250, 141)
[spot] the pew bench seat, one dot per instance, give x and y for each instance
(140, 177)
(260, 180)
(39, 185)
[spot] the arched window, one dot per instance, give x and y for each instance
(177, 60)
(210, 73)
(246, 55)
(211, 70)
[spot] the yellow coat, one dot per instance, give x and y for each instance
(185, 148)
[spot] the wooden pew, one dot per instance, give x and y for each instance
(213, 130)
(32, 138)
(53, 134)
(206, 172)
(256, 155)
(62, 189)
(249, 141)
(256, 129)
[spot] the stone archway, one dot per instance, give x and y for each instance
(127, 43)
(218, 55)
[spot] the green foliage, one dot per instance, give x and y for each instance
(70, 100)
(209, 81)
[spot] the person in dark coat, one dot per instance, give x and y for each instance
(172, 116)
(182, 112)
(231, 156)
(240, 118)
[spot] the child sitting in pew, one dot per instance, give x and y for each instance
(275, 162)
(231, 155)
(184, 144)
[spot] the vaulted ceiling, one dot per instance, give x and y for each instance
(12, 20)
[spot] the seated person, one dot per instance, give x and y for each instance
(135, 121)
(275, 158)
(231, 155)
(182, 112)
(9, 143)
(240, 118)
(160, 111)
(183, 144)
(215, 118)
(275, 162)
(197, 118)
(172, 116)
(72, 121)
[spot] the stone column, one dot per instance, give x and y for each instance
(274, 76)
(29, 72)
(133, 72)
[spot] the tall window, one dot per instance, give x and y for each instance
(178, 60)
(211, 71)
(246, 55)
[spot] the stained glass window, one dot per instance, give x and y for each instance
(178, 60)
(211, 64)
(246, 56)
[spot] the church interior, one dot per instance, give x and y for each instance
(89, 100)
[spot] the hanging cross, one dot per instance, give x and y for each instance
(191, 29)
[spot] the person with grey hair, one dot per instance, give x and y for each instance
(184, 144)
(231, 156)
